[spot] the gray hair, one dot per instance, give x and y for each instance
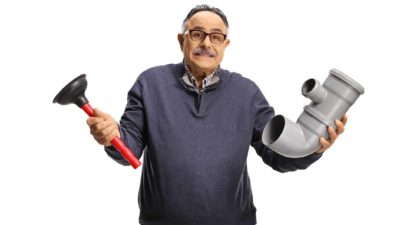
(204, 7)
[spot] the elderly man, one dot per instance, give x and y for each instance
(194, 123)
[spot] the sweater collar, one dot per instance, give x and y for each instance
(187, 79)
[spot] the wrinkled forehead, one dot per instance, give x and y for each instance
(207, 21)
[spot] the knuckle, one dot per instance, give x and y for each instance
(103, 133)
(116, 132)
(103, 141)
(98, 140)
(98, 127)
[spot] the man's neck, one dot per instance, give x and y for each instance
(198, 76)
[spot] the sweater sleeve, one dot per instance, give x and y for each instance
(263, 113)
(132, 125)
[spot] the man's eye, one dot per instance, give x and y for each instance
(196, 34)
(217, 37)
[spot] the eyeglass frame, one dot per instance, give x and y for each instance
(205, 35)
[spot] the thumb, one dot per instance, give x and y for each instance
(99, 113)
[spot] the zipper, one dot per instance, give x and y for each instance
(198, 94)
(198, 100)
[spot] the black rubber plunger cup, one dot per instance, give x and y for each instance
(74, 92)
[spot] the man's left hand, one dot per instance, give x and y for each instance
(325, 144)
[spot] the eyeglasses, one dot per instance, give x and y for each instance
(199, 35)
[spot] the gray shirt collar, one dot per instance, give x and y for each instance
(209, 80)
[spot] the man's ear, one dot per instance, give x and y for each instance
(180, 39)
(227, 42)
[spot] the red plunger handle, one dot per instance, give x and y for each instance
(117, 142)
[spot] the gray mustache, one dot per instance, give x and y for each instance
(204, 51)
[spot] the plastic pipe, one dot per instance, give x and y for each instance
(329, 102)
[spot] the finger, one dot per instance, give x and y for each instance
(332, 135)
(339, 127)
(102, 127)
(106, 129)
(94, 120)
(344, 120)
(325, 144)
(106, 140)
(105, 135)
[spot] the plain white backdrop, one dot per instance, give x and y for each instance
(53, 172)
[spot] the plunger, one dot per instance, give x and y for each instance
(74, 92)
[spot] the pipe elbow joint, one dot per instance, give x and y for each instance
(288, 138)
(328, 103)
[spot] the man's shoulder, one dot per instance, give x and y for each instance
(234, 78)
(161, 71)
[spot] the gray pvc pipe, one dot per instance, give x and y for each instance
(328, 103)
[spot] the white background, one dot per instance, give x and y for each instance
(53, 172)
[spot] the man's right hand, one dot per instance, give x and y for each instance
(103, 127)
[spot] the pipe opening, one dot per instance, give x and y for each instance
(274, 129)
(308, 86)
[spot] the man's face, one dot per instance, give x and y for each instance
(203, 57)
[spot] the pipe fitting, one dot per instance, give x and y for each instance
(313, 90)
(329, 102)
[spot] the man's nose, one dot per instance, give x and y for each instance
(206, 42)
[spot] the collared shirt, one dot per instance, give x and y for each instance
(204, 83)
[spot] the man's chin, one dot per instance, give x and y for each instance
(204, 65)
(204, 70)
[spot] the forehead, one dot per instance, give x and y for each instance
(206, 20)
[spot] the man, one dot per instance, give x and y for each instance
(194, 123)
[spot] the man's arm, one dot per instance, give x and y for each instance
(131, 128)
(278, 162)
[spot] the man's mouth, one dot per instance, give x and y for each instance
(204, 52)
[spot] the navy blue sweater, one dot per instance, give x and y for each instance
(195, 146)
